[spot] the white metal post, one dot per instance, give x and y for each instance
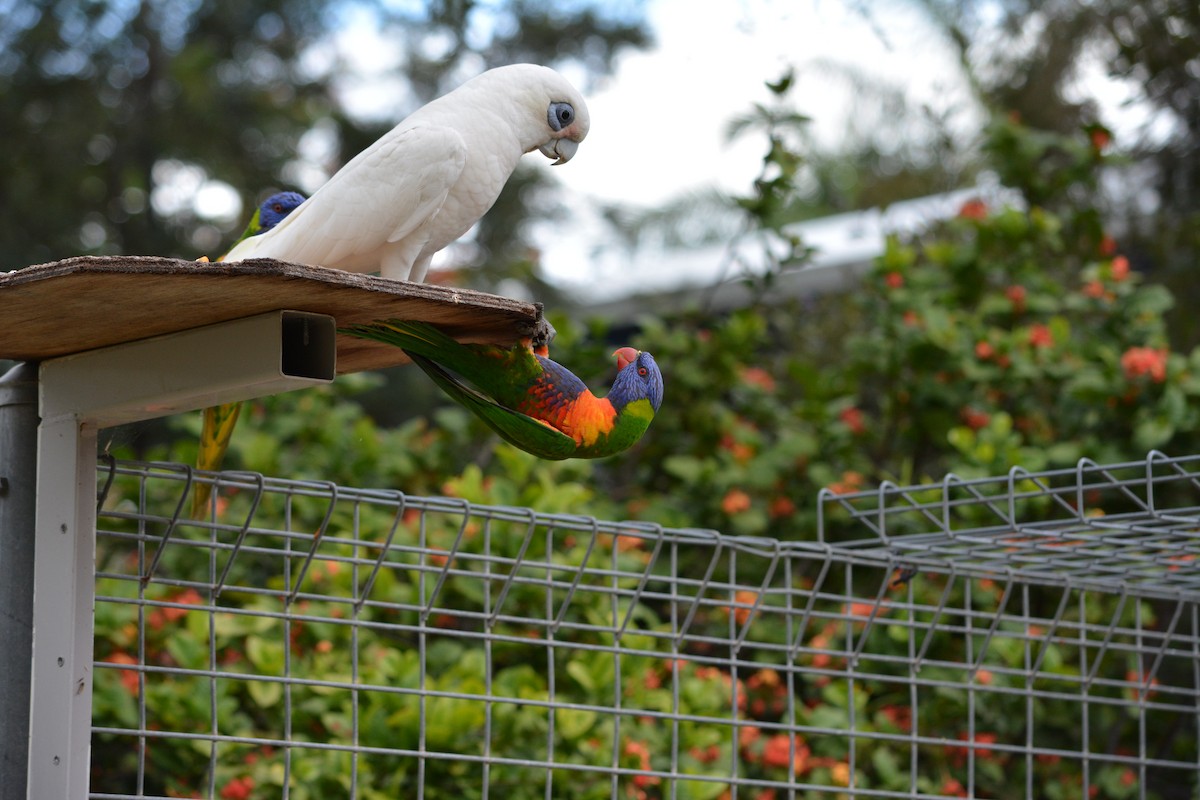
(79, 394)
(64, 552)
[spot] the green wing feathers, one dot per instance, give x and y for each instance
(517, 429)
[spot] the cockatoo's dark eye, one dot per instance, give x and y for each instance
(560, 115)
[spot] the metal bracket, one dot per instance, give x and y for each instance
(252, 357)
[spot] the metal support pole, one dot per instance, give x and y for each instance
(18, 484)
(77, 395)
(64, 557)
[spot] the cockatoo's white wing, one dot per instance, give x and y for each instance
(383, 195)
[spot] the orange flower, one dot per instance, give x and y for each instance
(1040, 336)
(1016, 296)
(900, 716)
(238, 788)
(740, 451)
(912, 319)
(973, 209)
(1094, 289)
(777, 752)
(984, 350)
(1108, 245)
(735, 502)
(641, 752)
(1138, 361)
(953, 788)
(1120, 268)
(743, 602)
(781, 507)
(853, 419)
(748, 735)
(959, 754)
(850, 483)
(129, 678)
(757, 376)
(1100, 138)
(973, 418)
(894, 280)
(860, 610)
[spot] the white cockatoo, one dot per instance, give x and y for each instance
(429, 179)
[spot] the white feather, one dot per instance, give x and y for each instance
(428, 180)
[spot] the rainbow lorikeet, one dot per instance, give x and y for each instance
(218, 421)
(533, 403)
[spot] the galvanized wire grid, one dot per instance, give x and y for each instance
(313, 640)
(1133, 526)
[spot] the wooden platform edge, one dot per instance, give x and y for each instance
(85, 302)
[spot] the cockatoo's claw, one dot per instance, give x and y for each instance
(543, 332)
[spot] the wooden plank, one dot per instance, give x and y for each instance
(87, 302)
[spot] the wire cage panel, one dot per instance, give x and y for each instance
(1131, 526)
(312, 640)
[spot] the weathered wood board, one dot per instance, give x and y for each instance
(87, 302)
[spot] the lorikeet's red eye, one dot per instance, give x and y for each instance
(643, 371)
(278, 207)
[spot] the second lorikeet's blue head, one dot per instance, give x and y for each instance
(275, 208)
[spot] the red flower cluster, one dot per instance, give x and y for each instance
(159, 617)
(1120, 268)
(1040, 336)
(1016, 295)
(974, 418)
(129, 677)
(238, 789)
(641, 752)
(850, 483)
(853, 419)
(735, 501)
(973, 209)
(743, 603)
(1139, 361)
(958, 754)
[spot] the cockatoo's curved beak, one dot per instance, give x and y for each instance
(561, 149)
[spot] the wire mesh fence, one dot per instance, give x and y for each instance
(1033, 635)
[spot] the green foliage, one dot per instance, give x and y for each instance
(1001, 336)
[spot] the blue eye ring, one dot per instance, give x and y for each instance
(560, 115)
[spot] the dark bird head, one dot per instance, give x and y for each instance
(638, 378)
(276, 207)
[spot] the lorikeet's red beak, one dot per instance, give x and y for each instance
(625, 357)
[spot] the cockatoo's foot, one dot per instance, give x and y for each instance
(543, 333)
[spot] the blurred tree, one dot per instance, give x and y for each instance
(121, 116)
(1031, 59)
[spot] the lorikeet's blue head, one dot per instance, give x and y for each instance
(275, 208)
(638, 378)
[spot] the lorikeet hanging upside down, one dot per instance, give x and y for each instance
(219, 421)
(531, 401)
